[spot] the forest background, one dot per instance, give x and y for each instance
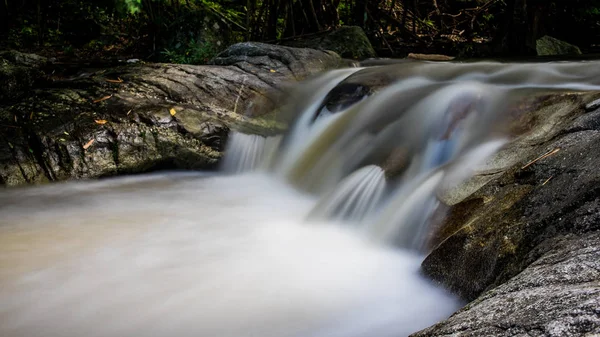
(194, 31)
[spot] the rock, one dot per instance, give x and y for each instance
(430, 57)
(348, 41)
(18, 73)
(592, 105)
(272, 64)
(524, 247)
(548, 45)
(556, 295)
(142, 117)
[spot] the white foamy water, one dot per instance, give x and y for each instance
(181, 255)
(201, 255)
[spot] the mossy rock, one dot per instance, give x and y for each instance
(348, 41)
(548, 45)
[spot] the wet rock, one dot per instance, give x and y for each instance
(593, 105)
(523, 247)
(548, 45)
(142, 117)
(348, 41)
(558, 294)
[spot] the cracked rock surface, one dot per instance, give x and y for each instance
(141, 117)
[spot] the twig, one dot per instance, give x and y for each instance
(547, 180)
(102, 99)
(545, 155)
(390, 18)
(223, 17)
(380, 33)
(481, 9)
(118, 80)
(238, 97)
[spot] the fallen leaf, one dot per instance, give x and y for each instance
(102, 99)
(100, 121)
(88, 144)
(172, 112)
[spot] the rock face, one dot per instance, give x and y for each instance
(556, 295)
(548, 45)
(137, 118)
(524, 247)
(348, 41)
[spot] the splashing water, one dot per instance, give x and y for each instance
(322, 239)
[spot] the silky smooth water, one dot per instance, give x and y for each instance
(314, 233)
(188, 255)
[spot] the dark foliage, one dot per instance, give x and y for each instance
(192, 31)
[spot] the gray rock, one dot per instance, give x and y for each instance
(556, 295)
(593, 105)
(272, 64)
(142, 117)
(548, 45)
(524, 247)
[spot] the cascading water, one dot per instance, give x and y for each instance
(322, 238)
(249, 152)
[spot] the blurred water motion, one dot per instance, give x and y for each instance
(317, 234)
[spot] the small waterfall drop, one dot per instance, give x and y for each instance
(354, 197)
(248, 152)
(318, 232)
(377, 156)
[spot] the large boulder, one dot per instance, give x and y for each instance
(522, 240)
(272, 64)
(556, 295)
(547, 46)
(348, 41)
(141, 117)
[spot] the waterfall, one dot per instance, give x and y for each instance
(377, 157)
(248, 152)
(317, 232)
(354, 197)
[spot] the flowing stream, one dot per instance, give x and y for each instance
(315, 233)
